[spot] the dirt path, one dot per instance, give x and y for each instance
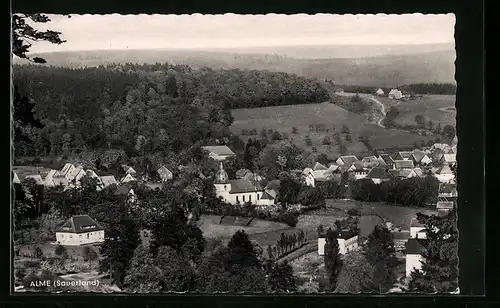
(382, 109)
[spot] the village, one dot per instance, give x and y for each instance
(438, 161)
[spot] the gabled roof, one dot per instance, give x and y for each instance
(322, 175)
(74, 173)
(403, 164)
(108, 180)
(404, 154)
(222, 150)
(442, 146)
(80, 224)
(50, 176)
(38, 178)
(417, 155)
(272, 193)
(449, 158)
(395, 172)
(419, 172)
(379, 173)
(444, 205)
(333, 167)
(164, 173)
(405, 172)
(127, 178)
(128, 169)
(380, 91)
(386, 158)
(66, 168)
(244, 185)
(266, 196)
(413, 247)
(444, 170)
(91, 173)
(349, 159)
(347, 168)
(394, 91)
(123, 190)
(319, 166)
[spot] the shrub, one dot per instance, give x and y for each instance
(32, 264)
(288, 218)
(353, 212)
(37, 252)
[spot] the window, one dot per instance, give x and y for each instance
(237, 199)
(250, 198)
(243, 198)
(258, 197)
(225, 187)
(88, 235)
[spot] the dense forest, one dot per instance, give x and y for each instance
(142, 109)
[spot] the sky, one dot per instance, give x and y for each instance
(101, 32)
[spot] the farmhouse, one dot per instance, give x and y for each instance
(386, 158)
(108, 180)
(76, 174)
(413, 256)
(67, 170)
(449, 159)
(80, 230)
(127, 191)
(444, 174)
(404, 155)
(419, 158)
(346, 160)
(164, 174)
(395, 94)
(380, 92)
(56, 180)
(239, 191)
(128, 178)
(403, 164)
(379, 175)
(372, 161)
(128, 170)
(444, 207)
(417, 229)
(347, 240)
(218, 152)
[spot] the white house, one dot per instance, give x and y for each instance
(165, 174)
(108, 180)
(312, 177)
(218, 152)
(241, 190)
(67, 170)
(76, 174)
(80, 230)
(413, 256)
(444, 174)
(348, 241)
(449, 159)
(417, 230)
(395, 94)
(127, 178)
(380, 92)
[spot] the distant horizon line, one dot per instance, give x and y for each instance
(243, 47)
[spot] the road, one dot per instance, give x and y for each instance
(382, 109)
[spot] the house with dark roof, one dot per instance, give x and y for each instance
(420, 158)
(371, 162)
(379, 175)
(417, 229)
(241, 190)
(403, 155)
(403, 164)
(414, 258)
(108, 180)
(218, 152)
(387, 158)
(346, 160)
(80, 230)
(127, 191)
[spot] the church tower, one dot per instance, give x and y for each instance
(222, 184)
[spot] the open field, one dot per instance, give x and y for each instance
(284, 118)
(437, 108)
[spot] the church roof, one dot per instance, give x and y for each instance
(244, 186)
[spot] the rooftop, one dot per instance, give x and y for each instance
(219, 149)
(80, 224)
(244, 185)
(403, 164)
(414, 247)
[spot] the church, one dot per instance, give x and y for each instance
(240, 191)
